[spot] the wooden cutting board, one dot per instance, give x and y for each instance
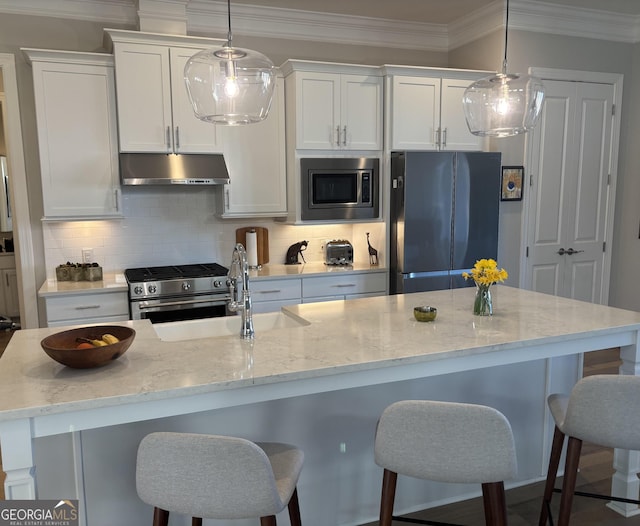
(262, 236)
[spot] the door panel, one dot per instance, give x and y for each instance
(568, 200)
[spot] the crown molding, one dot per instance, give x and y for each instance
(209, 17)
(271, 22)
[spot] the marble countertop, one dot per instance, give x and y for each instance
(114, 282)
(362, 335)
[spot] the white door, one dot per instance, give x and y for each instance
(361, 112)
(571, 198)
(190, 134)
(317, 111)
(454, 132)
(415, 113)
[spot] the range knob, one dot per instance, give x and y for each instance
(138, 289)
(152, 289)
(217, 283)
(186, 285)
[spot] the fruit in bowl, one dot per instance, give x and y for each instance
(87, 347)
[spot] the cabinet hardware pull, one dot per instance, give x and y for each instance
(444, 138)
(561, 251)
(6, 278)
(344, 138)
(177, 138)
(571, 252)
(116, 198)
(85, 307)
(438, 138)
(226, 199)
(274, 291)
(168, 137)
(342, 285)
(338, 135)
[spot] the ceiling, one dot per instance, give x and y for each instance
(429, 11)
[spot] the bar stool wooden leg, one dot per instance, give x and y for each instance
(495, 504)
(160, 517)
(294, 509)
(268, 521)
(552, 473)
(196, 521)
(389, 480)
(574, 447)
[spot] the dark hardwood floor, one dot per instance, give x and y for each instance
(524, 503)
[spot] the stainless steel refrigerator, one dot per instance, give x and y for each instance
(444, 217)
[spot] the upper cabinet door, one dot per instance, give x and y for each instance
(143, 91)
(455, 134)
(190, 134)
(415, 113)
(154, 111)
(77, 134)
(361, 112)
(317, 111)
(338, 111)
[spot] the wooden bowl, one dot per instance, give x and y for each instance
(425, 313)
(62, 346)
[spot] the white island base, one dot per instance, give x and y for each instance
(321, 386)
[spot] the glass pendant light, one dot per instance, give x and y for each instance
(230, 85)
(504, 104)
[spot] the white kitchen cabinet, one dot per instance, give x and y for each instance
(426, 113)
(256, 160)
(85, 308)
(77, 134)
(9, 297)
(270, 295)
(344, 286)
(154, 111)
(334, 107)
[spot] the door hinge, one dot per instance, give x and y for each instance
(526, 254)
(604, 246)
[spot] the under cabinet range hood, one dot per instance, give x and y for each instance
(161, 169)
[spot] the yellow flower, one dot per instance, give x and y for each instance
(485, 272)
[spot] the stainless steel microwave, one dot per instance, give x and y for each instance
(340, 188)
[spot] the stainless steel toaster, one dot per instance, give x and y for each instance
(338, 252)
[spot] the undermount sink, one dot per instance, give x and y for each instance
(226, 326)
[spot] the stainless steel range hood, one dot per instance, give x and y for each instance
(160, 169)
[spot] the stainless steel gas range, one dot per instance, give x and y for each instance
(176, 293)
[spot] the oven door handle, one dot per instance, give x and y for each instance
(144, 305)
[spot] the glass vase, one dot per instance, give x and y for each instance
(482, 305)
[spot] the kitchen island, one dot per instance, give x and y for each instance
(319, 382)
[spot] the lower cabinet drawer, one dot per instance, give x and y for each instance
(81, 307)
(344, 285)
(88, 321)
(276, 290)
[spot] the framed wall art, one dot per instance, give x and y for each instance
(511, 186)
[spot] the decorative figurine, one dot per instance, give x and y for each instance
(293, 252)
(373, 253)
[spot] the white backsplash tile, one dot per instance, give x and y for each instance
(171, 226)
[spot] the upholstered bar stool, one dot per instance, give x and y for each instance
(446, 442)
(217, 477)
(603, 410)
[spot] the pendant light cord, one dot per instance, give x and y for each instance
(229, 36)
(506, 36)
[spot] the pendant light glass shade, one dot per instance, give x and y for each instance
(504, 104)
(230, 85)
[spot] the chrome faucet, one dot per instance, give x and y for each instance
(240, 270)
